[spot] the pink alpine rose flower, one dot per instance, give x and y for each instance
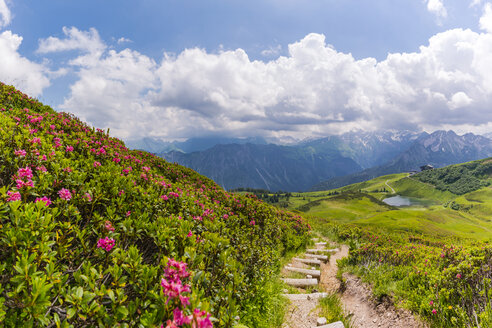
(44, 199)
(106, 243)
(65, 194)
(13, 196)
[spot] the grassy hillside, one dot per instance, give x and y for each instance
(94, 234)
(434, 259)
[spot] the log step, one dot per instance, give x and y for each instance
(337, 324)
(300, 282)
(321, 244)
(307, 261)
(314, 273)
(315, 250)
(302, 297)
(317, 256)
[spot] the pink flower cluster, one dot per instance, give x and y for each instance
(65, 194)
(44, 199)
(105, 243)
(199, 319)
(13, 196)
(23, 178)
(174, 288)
(108, 226)
(20, 153)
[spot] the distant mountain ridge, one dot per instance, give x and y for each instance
(269, 167)
(324, 163)
(441, 148)
(157, 146)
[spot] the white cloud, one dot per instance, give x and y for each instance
(124, 40)
(272, 51)
(5, 15)
(88, 42)
(437, 8)
(110, 91)
(475, 3)
(313, 91)
(459, 99)
(486, 19)
(26, 75)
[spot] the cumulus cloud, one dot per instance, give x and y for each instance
(314, 90)
(5, 15)
(486, 19)
(26, 75)
(86, 41)
(110, 91)
(437, 8)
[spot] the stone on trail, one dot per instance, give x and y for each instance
(321, 321)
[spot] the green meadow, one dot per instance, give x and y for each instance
(444, 215)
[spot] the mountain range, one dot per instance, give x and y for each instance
(323, 163)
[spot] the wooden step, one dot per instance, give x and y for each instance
(321, 244)
(302, 297)
(314, 273)
(300, 282)
(324, 258)
(315, 250)
(337, 324)
(307, 261)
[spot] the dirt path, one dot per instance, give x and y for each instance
(392, 190)
(329, 282)
(356, 298)
(358, 301)
(367, 313)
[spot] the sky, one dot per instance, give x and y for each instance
(279, 69)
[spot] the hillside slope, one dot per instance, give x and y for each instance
(93, 234)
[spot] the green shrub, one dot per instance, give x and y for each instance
(87, 228)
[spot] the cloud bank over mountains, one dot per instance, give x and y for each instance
(314, 90)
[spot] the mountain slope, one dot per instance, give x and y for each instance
(439, 149)
(93, 234)
(368, 149)
(269, 167)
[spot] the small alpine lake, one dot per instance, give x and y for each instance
(400, 201)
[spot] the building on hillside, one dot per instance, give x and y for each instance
(426, 167)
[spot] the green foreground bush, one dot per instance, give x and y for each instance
(87, 228)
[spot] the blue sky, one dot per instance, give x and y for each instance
(277, 69)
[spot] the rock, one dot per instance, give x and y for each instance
(321, 321)
(308, 276)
